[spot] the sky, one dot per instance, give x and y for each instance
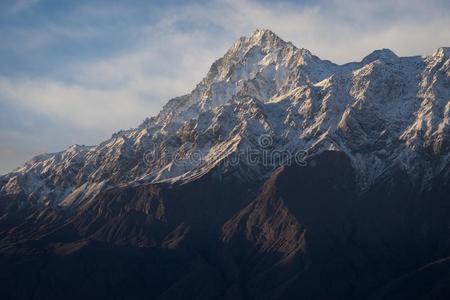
(74, 72)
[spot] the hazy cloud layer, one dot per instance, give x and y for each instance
(75, 72)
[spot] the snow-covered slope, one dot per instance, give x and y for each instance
(386, 112)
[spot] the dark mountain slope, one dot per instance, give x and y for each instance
(307, 232)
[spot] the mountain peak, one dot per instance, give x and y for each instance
(262, 32)
(380, 54)
(265, 38)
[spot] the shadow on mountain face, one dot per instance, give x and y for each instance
(306, 232)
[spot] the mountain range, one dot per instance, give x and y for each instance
(352, 204)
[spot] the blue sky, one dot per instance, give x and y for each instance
(77, 71)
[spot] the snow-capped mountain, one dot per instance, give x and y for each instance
(384, 112)
(186, 205)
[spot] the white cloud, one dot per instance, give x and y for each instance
(119, 91)
(70, 103)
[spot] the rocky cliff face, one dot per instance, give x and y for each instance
(187, 205)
